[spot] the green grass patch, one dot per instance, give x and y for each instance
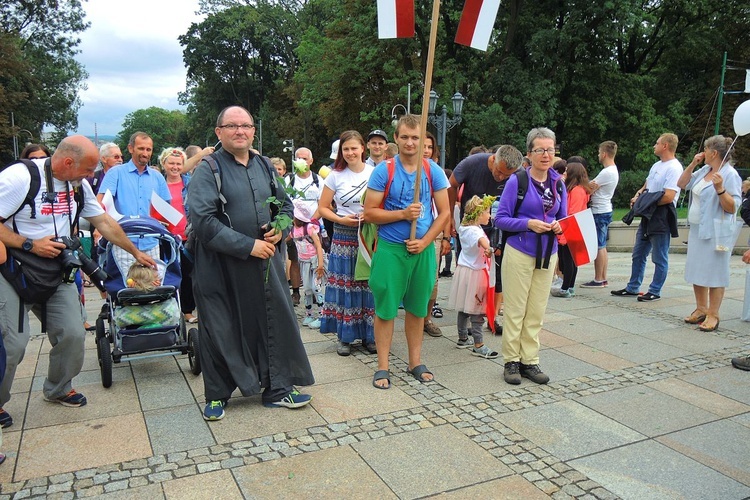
(619, 213)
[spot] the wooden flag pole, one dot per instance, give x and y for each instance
(426, 106)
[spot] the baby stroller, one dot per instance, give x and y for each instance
(140, 324)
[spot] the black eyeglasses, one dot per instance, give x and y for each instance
(245, 127)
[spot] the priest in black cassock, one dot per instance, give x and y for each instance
(249, 336)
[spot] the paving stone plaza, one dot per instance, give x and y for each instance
(640, 405)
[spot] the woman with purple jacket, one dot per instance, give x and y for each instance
(530, 255)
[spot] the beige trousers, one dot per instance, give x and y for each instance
(526, 292)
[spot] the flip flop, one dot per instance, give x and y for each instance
(420, 370)
(381, 375)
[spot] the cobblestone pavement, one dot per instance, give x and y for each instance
(640, 405)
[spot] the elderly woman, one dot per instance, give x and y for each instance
(715, 193)
(530, 255)
(172, 161)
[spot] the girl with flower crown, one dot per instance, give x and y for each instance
(471, 279)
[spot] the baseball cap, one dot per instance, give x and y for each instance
(379, 133)
(335, 149)
(302, 211)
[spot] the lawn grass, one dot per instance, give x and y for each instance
(619, 213)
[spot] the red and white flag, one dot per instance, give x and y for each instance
(108, 203)
(477, 21)
(580, 232)
(395, 18)
(164, 212)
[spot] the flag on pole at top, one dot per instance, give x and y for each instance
(395, 18)
(477, 21)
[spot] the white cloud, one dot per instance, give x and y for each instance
(133, 59)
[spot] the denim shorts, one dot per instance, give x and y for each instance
(602, 222)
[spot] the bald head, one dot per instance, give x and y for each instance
(76, 157)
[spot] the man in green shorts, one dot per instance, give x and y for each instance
(403, 270)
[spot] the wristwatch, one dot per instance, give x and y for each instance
(28, 245)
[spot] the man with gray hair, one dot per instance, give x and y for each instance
(109, 156)
(484, 174)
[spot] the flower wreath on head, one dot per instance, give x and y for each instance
(471, 217)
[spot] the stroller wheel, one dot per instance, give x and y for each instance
(100, 328)
(105, 360)
(193, 350)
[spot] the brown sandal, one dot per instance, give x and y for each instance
(704, 327)
(696, 317)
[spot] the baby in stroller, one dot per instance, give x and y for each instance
(147, 315)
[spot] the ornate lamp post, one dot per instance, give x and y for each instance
(289, 148)
(394, 116)
(442, 123)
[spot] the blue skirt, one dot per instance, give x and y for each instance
(349, 309)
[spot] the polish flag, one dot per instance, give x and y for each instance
(108, 203)
(477, 21)
(164, 212)
(395, 18)
(580, 232)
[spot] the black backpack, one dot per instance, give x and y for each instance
(291, 177)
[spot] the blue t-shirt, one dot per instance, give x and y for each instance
(401, 195)
(132, 191)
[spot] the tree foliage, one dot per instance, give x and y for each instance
(166, 128)
(625, 70)
(39, 44)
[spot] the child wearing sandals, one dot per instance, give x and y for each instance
(470, 280)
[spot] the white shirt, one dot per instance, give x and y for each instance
(472, 255)
(348, 187)
(601, 199)
(310, 192)
(664, 175)
(14, 185)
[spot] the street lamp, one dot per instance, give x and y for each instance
(394, 116)
(442, 123)
(289, 148)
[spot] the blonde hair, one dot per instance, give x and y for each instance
(141, 277)
(167, 152)
(475, 207)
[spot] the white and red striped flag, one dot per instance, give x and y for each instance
(395, 18)
(580, 232)
(477, 21)
(108, 203)
(164, 212)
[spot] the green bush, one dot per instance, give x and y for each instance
(630, 182)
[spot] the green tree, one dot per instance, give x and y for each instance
(166, 128)
(45, 36)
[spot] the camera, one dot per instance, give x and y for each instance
(72, 259)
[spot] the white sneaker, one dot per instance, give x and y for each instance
(308, 320)
(557, 282)
(314, 324)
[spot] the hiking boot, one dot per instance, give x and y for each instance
(432, 329)
(214, 410)
(344, 349)
(370, 347)
(648, 297)
(534, 373)
(741, 363)
(5, 419)
(512, 374)
(594, 284)
(72, 399)
(624, 293)
(294, 399)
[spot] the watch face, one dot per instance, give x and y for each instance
(28, 245)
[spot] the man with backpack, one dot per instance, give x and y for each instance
(40, 203)
(404, 268)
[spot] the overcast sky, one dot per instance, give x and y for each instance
(133, 59)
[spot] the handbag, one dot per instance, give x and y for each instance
(726, 232)
(35, 279)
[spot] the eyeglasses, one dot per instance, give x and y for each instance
(116, 157)
(540, 151)
(245, 127)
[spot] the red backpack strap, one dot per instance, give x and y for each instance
(390, 163)
(426, 165)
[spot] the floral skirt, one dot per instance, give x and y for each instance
(349, 309)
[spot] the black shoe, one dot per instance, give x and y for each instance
(370, 347)
(648, 297)
(344, 349)
(446, 273)
(512, 374)
(741, 363)
(624, 293)
(534, 373)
